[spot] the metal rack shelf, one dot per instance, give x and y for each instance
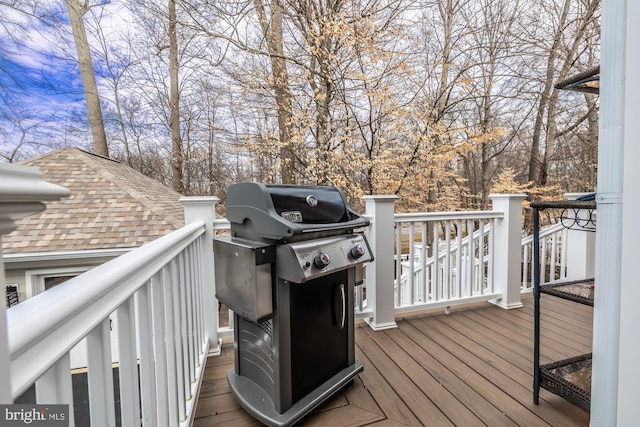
(569, 378)
(578, 290)
(575, 221)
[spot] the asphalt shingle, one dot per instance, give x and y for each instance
(111, 206)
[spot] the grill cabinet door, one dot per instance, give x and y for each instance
(319, 332)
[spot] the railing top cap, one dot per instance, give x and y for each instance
(508, 196)
(198, 199)
(380, 197)
(19, 183)
(457, 215)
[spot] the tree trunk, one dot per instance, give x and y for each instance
(537, 164)
(174, 103)
(272, 31)
(323, 93)
(94, 111)
(592, 141)
(447, 15)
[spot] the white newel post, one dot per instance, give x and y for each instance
(507, 258)
(379, 273)
(203, 209)
(22, 193)
(581, 244)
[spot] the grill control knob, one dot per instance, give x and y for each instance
(357, 251)
(321, 260)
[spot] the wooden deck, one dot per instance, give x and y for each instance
(470, 368)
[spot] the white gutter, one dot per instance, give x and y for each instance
(64, 255)
(606, 322)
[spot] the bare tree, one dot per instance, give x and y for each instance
(177, 155)
(567, 39)
(272, 31)
(77, 10)
(116, 60)
(20, 126)
(490, 24)
(429, 100)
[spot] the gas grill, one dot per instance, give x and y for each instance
(288, 272)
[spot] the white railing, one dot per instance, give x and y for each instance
(221, 226)
(475, 278)
(156, 291)
(463, 270)
(553, 255)
(443, 259)
(417, 266)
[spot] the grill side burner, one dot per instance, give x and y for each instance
(288, 272)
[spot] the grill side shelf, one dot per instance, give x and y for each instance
(243, 276)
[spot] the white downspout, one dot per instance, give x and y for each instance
(628, 411)
(606, 322)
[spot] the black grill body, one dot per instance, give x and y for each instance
(294, 342)
(280, 213)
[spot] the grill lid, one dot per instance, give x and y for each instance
(288, 212)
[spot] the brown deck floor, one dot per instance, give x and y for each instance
(470, 368)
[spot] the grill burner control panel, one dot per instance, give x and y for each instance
(299, 262)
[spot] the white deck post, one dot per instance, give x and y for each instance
(379, 273)
(507, 259)
(581, 245)
(22, 193)
(203, 209)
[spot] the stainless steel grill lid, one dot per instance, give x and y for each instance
(286, 212)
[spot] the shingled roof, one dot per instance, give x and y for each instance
(111, 206)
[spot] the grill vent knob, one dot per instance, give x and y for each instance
(357, 251)
(321, 260)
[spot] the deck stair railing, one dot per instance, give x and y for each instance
(440, 259)
(553, 255)
(460, 270)
(553, 261)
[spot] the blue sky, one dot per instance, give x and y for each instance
(40, 85)
(37, 81)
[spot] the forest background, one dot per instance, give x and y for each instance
(437, 101)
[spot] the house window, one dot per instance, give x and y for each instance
(40, 280)
(51, 281)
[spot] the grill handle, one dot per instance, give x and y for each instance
(344, 305)
(339, 306)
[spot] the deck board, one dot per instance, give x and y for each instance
(466, 384)
(470, 368)
(387, 399)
